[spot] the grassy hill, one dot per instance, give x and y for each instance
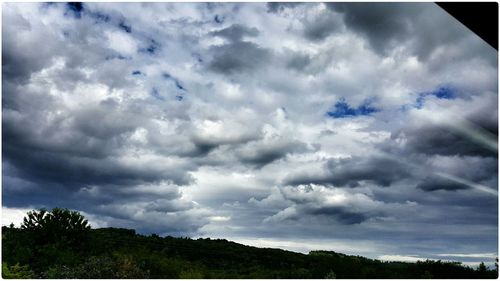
(62, 252)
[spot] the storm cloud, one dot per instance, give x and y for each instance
(239, 56)
(236, 32)
(349, 172)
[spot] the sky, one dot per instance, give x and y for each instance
(363, 128)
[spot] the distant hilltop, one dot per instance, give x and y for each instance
(61, 244)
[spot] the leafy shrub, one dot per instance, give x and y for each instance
(191, 274)
(16, 271)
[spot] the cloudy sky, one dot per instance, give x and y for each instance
(365, 129)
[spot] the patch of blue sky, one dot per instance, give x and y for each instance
(137, 72)
(443, 92)
(343, 110)
(366, 109)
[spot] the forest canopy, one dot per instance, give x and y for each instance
(61, 244)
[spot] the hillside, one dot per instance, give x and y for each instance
(122, 253)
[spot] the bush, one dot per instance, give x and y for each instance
(191, 274)
(17, 271)
(331, 275)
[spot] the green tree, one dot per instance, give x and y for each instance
(482, 268)
(58, 219)
(59, 225)
(191, 274)
(427, 275)
(57, 237)
(331, 275)
(16, 271)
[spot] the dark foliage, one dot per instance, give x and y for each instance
(45, 238)
(60, 244)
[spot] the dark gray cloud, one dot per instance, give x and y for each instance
(238, 57)
(437, 183)
(261, 154)
(205, 145)
(468, 137)
(465, 133)
(44, 166)
(390, 25)
(18, 62)
(299, 61)
(351, 171)
(107, 127)
(387, 26)
(384, 24)
(341, 215)
(236, 32)
(81, 147)
(485, 118)
(475, 169)
(303, 203)
(442, 140)
(202, 147)
(322, 26)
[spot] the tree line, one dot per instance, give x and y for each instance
(61, 244)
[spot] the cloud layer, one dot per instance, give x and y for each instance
(330, 124)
